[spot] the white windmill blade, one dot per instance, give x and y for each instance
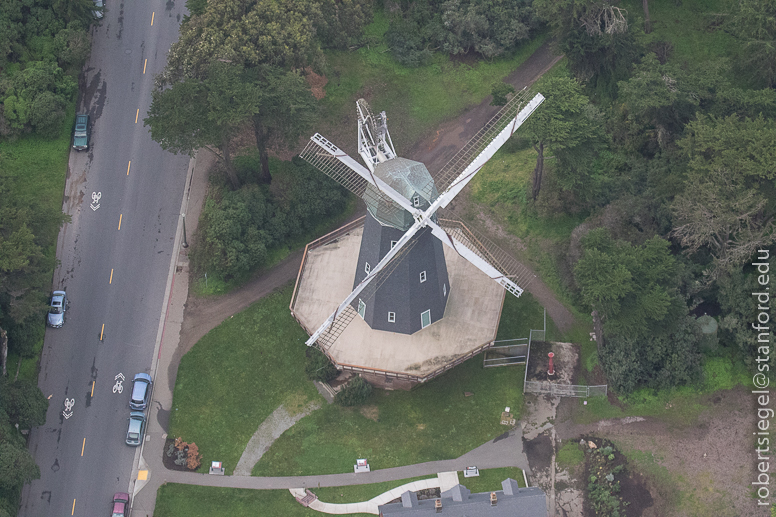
(475, 259)
(346, 171)
(361, 286)
(469, 160)
(486, 250)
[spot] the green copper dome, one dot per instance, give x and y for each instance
(409, 178)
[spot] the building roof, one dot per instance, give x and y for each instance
(511, 501)
(409, 178)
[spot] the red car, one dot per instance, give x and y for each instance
(120, 505)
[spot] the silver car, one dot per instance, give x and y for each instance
(136, 428)
(56, 313)
(141, 392)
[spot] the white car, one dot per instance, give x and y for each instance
(97, 14)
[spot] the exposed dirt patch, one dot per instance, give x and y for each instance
(370, 412)
(539, 451)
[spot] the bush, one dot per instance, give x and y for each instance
(318, 367)
(354, 394)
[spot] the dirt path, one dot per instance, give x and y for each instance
(203, 314)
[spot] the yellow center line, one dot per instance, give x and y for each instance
(82, 447)
(120, 217)
(130, 161)
(92, 394)
(102, 331)
(152, 18)
(73, 512)
(144, 64)
(137, 115)
(111, 277)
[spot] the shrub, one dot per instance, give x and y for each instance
(318, 367)
(355, 393)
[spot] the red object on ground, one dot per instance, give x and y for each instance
(551, 371)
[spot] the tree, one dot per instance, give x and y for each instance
(246, 33)
(17, 467)
(561, 122)
(36, 98)
(72, 46)
(356, 392)
(75, 10)
(754, 23)
(630, 286)
(318, 367)
(720, 213)
(195, 113)
(24, 403)
(286, 109)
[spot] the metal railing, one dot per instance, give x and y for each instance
(564, 390)
(506, 355)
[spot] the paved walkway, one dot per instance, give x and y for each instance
(270, 430)
(444, 481)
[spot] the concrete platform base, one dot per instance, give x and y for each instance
(470, 322)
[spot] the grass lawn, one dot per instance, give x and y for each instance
(359, 493)
(415, 99)
(237, 375)
(33, 171)
(435, 421)
(490, 480)
(173, 500)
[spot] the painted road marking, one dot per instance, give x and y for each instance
(92, 395)
(130, 162)
(68, 412)
(102, 331)
(95, 201)
(137, 115)
(111, 277)
(82, 447)
(152, 19)
(73, 512)
(118, 387)
(145, 63)
(120, 217)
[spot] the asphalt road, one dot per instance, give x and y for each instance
(115, 262)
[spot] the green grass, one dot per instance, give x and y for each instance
(679, 406)
(569, 455)
(173, 500)
(520, 315)
(415, 99)
(435, 421)
(490, 480)
(359, 493)
(237, 375)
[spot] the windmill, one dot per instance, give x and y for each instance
(401, 229)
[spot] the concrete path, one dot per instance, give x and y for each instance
(270, 430)
(444, 481)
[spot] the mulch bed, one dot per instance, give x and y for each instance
(169, 461)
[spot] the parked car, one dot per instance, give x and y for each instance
(120, 504)
(80, 136)
(57, 308)
(98, 12)
(136, 428)
(141, 392)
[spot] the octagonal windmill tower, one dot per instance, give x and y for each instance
(401, 283)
